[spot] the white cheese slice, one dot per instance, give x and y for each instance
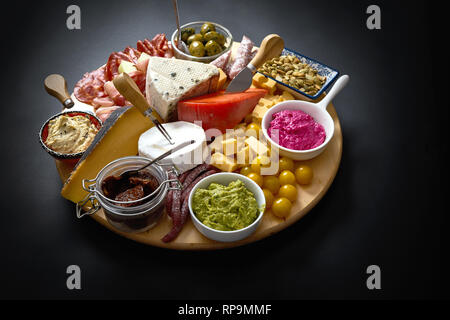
(152, 144)
(172, 80)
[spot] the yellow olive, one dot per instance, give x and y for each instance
(212, 48)
(286, 177)
(286, 164)
(288, 191)
(194, 37)
(253, 130)
(281, 207)
(304, 174)
(207, 27)
(269, 198)
(197, 49)
(246, 170)
(257, 178)
(271, 183)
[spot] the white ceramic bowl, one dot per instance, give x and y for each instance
(225, 178)
(317, 111)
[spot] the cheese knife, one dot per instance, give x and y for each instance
(56, 86)
(128, 88)
(271, 47)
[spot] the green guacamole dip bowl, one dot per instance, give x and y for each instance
(225, 178)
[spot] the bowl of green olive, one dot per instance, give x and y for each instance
(204, 41)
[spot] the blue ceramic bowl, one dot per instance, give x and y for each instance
(322, 69)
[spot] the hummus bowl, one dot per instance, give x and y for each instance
(43, 134)
(225, 178)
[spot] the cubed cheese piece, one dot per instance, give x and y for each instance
(240, 131)
(259, 112)
(266, 103)
(223, 163)
(278, 100)
(257, 146)
(242, 157)
(216, 145)
(127, 67)
(143, 56)
(222, 79)
(172, 80)
(245, 156)
(253, 86)
(271, 97)
(240, 126)
(269, 85)
(258, 80)
(240, 142)
(287, 96)
(229, 147)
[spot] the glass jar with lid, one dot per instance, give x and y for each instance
(147, 211)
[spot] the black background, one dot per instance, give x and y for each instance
(383, 208)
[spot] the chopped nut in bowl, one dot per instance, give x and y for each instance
(299, 73)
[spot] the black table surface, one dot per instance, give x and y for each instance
(382, 209)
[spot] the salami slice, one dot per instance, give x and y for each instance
(91, 86)
(243, 57)
(112, 66)
(222, 61)
(132, 53)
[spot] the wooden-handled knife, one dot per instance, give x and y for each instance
(271, 47)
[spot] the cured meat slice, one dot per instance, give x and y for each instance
(103, 113)
(139, 78)
(112, 92)
(180, 208)
(102, 102)
(142, 47)
(132, 53)
(243, 57)
(91, 86)
(222, 61)
(112, 66)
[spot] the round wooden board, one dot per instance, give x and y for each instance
(324, 166)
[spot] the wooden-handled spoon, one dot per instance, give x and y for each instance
(271, 47)
(56, 86)
(128, 88)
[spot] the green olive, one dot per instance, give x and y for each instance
(212, 48)
(221, 39)
(185, 33)
(197, 49)
(215, 36)
(207, 27)
(195, 37)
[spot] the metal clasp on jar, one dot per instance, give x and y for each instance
(89, 186)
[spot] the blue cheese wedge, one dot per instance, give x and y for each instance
(172, 80)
